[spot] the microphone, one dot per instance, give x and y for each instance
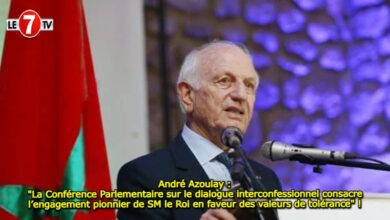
(274, 150)
(231, 137)
(242, 171)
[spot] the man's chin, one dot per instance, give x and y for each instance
(237, 125)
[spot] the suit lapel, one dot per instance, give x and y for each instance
(187, 168)
(187, 165)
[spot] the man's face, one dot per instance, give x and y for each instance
(226, 93)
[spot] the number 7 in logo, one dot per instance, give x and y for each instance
(29, 23)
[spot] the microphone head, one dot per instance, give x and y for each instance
(266, 149)
(231, 137)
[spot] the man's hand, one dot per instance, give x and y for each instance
(217, 214)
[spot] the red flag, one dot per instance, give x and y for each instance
(51, 134)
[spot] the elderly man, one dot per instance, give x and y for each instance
(216, 88)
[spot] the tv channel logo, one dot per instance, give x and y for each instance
(29, 24)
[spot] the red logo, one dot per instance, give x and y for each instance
(30, 24)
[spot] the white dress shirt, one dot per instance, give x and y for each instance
(205, 152)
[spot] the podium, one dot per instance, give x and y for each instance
(374, 207)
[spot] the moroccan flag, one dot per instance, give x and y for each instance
(51, 134)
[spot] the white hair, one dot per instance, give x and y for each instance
(189, 69)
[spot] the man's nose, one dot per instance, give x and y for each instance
(239, 92)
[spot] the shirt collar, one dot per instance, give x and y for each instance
(203, 149)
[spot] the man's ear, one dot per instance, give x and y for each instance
(186, 96)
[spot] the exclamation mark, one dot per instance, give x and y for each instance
(359, 203)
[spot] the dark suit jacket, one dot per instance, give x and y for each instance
(176, 162)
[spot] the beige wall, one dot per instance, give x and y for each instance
(4, 9)
(117, 40)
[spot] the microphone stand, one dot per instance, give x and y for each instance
(246, 179)
(348, 163)
(242, 172)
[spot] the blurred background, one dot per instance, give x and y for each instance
(325, 81)
(325, 77)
